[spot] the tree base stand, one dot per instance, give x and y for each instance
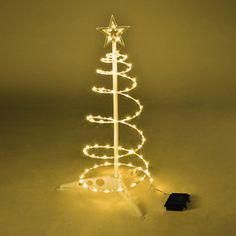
(102, 183)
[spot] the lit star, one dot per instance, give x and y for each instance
(113, 32)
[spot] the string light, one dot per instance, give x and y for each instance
(113, 35)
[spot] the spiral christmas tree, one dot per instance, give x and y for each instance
(123, 175)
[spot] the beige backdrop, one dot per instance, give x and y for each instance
(184, 59)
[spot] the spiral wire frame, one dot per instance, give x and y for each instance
(88, 150)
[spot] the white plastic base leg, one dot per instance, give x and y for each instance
(70, 186)
(126, 196)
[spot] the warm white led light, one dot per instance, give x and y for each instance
(113, 35)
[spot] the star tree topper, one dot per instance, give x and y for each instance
(113, 32)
